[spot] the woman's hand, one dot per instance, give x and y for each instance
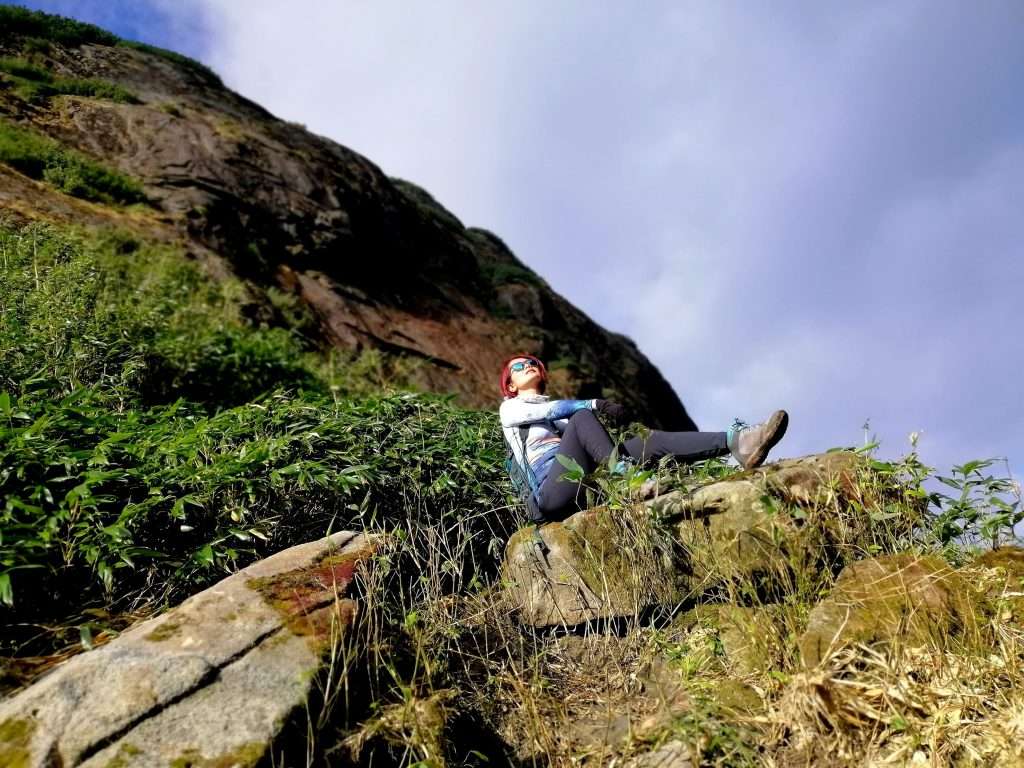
(617, 414)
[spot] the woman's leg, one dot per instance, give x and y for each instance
(685, 446)
(587, 443)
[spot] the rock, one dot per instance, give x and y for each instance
(761, 530)
(595, 564)
(671, 754)
(742, 531)
(211, 681)
(752, 637)
(916, 600)
(1003, 582)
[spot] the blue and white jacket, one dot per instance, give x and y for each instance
(546, 419)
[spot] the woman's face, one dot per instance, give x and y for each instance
(528, 377)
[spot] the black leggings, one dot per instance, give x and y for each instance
(588, 444)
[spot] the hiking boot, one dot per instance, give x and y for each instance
(750, 444)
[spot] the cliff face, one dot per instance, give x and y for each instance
(380, 263)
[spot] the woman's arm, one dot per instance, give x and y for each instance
(515, 411)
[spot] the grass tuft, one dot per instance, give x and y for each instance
(40, 157)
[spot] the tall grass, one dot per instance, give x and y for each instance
(447, 675)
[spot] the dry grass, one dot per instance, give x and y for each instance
(456, 676)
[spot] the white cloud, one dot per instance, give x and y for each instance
(784, 204)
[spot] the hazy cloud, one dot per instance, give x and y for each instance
(784, 204)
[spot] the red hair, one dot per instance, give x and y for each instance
(506, 374)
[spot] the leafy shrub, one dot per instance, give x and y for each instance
(21, 22)
(95, 497)
(71, 172)
(96, 483)
(25, 70)
(228, 366)
(500, 273)
(130, 318)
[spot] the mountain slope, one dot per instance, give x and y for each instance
(380, 263)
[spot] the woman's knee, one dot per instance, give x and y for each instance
(584, 415)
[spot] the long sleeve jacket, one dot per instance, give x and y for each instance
(545, 420)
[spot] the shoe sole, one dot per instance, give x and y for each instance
(777, 424)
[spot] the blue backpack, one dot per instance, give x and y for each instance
(523, 479)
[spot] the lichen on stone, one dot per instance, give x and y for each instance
(165, 630)
(244, 756)
(15, 739)
(123, 757)
(303, 596)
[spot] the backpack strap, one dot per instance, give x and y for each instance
(532, 502)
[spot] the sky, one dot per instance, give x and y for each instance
(786, 205)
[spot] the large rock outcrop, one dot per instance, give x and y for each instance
(916, 600)
(211, 682)
(758, 530)
(381, 264)
(592, 565)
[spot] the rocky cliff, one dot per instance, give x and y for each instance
(379, 262)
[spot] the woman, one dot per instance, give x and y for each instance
(538, 429)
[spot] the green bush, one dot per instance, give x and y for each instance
(500, 273)
(25, 70)
(109, 484)
(81, 311)
(16, 21)
(71, 172)
(97, 498)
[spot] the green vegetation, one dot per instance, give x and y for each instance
(16, 21)
(38, 28)
(500, 273)
(33, 83)
(112, 482)
(40, 157)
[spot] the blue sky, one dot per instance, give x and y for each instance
(800, 205)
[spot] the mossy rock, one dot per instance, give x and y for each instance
(753, 638)
(15, 742)
(595, 564)
(773, 530)
(1001, 577)
(911, 599)
(212, 683)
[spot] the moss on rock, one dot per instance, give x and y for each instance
(243, 757)
(912, 599)
(15, 740)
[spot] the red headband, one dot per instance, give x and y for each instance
(506, 373)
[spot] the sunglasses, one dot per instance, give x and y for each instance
(522, 365)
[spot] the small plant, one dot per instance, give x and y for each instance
(983, 508)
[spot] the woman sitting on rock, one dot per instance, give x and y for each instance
(538, 429)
